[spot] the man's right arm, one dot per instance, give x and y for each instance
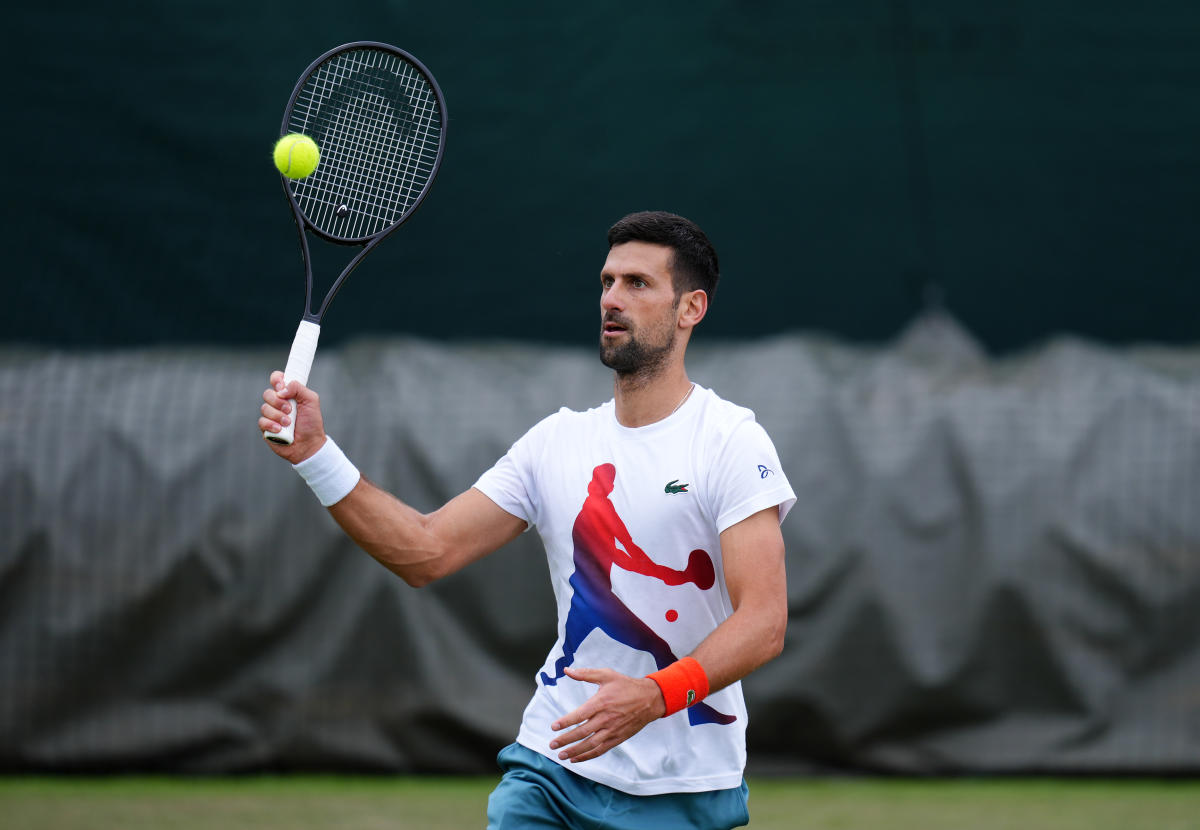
(417, 547)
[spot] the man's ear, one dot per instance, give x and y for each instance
(693, 305)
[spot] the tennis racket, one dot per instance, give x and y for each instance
(379, 121)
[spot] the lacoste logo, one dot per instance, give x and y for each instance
(691, 697)
(763, 472)
(674, 487)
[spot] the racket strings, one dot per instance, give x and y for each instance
(377, 121)
(372, 166)
(370, 175)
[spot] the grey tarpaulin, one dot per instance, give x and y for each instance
(994, 565)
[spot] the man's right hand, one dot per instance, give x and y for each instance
(296, 401)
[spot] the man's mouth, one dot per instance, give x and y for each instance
(612, 328)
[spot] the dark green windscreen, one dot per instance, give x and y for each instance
(1034, 166)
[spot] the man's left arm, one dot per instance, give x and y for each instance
(755, 576)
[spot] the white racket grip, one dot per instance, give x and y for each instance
(299, 364)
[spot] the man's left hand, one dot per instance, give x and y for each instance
(616, 712)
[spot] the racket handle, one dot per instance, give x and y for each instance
(299, 364)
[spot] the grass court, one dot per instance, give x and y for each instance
(367, 803)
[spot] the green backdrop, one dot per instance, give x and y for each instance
(1032, 165)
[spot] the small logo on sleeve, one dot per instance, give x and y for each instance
(674, 487)
(764, 471)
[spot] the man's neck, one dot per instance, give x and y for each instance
(642, 400)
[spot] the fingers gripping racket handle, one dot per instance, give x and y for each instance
(299, 363)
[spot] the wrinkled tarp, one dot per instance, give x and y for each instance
(993, 565)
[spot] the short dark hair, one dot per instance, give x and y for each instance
(694, 260)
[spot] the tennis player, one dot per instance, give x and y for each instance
(660, 513)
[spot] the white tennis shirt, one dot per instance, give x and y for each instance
(595, 489)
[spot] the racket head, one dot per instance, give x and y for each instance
(379, 120)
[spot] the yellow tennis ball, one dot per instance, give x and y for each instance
(296, 155)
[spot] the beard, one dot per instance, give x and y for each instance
(635, 356)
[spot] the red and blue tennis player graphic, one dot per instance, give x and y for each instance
(597, 531)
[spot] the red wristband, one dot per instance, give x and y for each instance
(682, 683)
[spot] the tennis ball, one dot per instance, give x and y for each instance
(296, 155)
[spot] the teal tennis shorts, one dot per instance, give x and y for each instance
(535, 792)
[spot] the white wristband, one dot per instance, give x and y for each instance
(329, 473)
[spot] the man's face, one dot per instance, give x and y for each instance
(638, 308)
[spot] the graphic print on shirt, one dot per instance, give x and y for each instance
(596, 534)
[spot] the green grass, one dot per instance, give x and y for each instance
(353, 803)
(973, 804)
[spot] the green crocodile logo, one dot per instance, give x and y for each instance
(674, 487)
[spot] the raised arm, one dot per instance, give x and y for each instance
(417, 547)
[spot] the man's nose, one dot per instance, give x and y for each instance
(611, 299)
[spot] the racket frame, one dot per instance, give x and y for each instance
(304, 345)
(368, 243)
